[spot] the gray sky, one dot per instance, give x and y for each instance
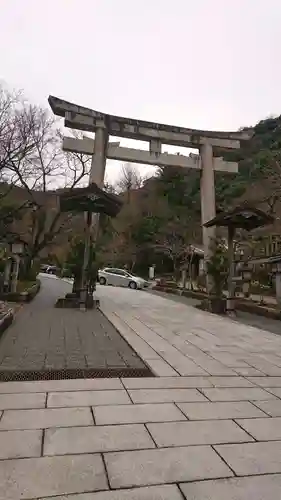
(197, 63)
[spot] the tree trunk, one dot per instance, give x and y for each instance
(190, 271)
(26, 265)
(133, 265)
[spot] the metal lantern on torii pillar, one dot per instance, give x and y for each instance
(90, 200)
(239, 218)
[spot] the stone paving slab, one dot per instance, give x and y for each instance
(185, 366)
(138, 413)
(194, 433)
(221, 410)
(272, 407)
(230, 382)
(263, 429)
(266, 381)
(267, 368)
(213, 367)
(238, 394)
(94, 384)
(167, 382)
(50, 476)
(229, 359)
(163, 492)
(165, 395)
(170, 465)
(249, 372)
(140, 345)
(252, 458)
(20, 444)
(162, 368)
(46, 418)
(73, 440)
(86, 398)
(274, 390)
(242, 488)
(21, 401)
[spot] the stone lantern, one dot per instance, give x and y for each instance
(90, 200)
(15, 251)
(276, 269)
(246, 218)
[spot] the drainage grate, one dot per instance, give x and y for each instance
(10, 376)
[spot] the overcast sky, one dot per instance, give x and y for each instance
(211, 64)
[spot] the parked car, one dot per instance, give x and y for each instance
(44, 267)
(120, 277)
(49, 269)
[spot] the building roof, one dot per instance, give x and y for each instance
(90, 199)
(241, 218)
(265, 260)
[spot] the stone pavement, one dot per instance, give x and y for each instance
(176, 339)
(271, 325)
(207, 428)
(45, 338)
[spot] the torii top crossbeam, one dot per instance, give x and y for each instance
(82, 118)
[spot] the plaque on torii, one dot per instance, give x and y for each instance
(211, 144)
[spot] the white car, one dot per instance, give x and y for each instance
(120, 277)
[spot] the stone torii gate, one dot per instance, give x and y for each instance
(212, 147)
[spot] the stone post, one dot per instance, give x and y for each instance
(15, 273)
(278, 284)
(183, 279)
(151, 272)
(246, 289)
(7, 275)
(230, 302)
(208, 204)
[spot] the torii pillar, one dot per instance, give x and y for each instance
(98, 164)
(208, 203)
(99, 157)
(97, 172)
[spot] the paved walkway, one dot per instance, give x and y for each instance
(207, 428)
(271, 325)
(43, 338)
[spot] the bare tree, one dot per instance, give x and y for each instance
(129, 180)
(174, 244)
(46, 221)
(175, 237)
(34, 168)
(17, 145)
(17, 122)
(109, 187)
